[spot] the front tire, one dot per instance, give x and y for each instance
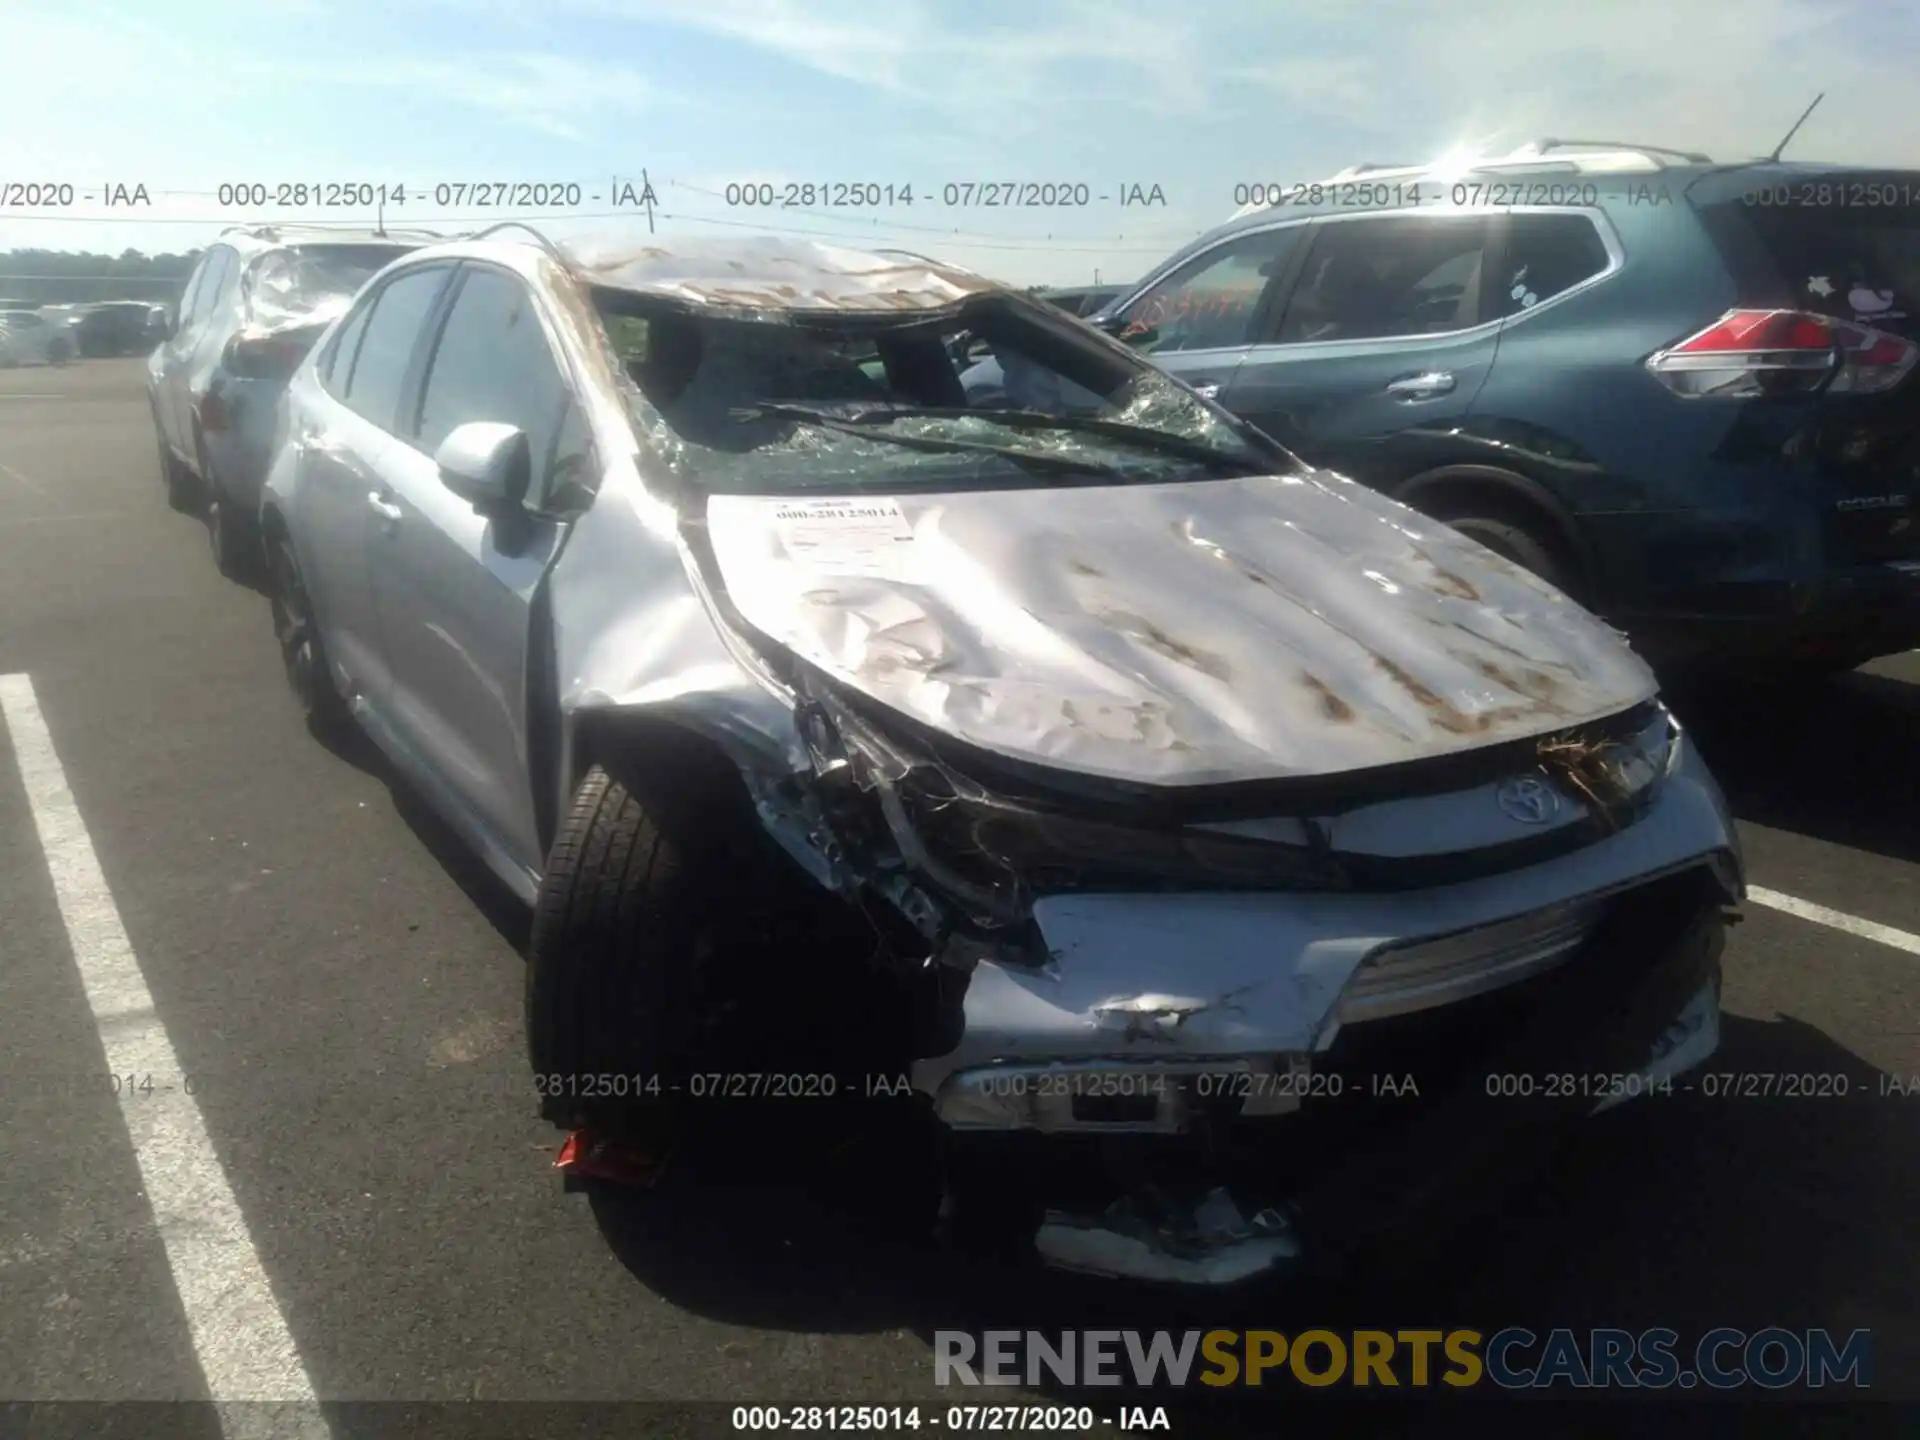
(626, 919)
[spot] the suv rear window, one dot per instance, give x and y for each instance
(1859, 263)
(310, 284)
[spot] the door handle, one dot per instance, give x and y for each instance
(1423, 386)
(392, 514)
(1207, 389)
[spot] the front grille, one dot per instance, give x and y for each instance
(1406, 978)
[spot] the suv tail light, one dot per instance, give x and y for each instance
(1784, 352)
(265, 357)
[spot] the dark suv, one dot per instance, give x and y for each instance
(1682, 391)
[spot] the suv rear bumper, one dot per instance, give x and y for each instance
(1842, 619)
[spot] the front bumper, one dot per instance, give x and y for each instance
(1244, 1061)
(1329, 1188)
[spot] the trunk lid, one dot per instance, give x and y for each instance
(1174, 634)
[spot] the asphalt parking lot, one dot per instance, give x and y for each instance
(342, 988)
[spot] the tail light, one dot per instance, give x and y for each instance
(214, 414)
(1784, 352)
(265, 357)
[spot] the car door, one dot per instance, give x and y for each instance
(1388, 332)
(454, 588)
(188, 340)
(1196, 320)
(343, 459)
(163, 361)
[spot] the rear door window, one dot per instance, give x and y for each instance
(190, 296)
(387, 348)
(1547, 255)
(1393, 276)
(213, 278)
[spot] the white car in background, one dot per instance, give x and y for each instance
(29, 338)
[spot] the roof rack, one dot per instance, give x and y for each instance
(1652, 152)
(274, 230)
(926, 260)
(539, 238)
(1372, 167)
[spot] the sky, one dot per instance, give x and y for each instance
(1171, 105)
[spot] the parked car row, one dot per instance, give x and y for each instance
(1685, 401)
(1135, 788)
(54, 334)
(28, 337)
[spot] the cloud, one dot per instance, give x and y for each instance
(556, 95)
(1656, 71)
(1689, 75)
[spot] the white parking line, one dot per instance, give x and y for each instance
(245, 1350)
(1836, 919)
(16, 476)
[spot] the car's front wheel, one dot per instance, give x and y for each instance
(672, 945)
(630, 918)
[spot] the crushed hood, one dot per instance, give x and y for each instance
(1178, 634)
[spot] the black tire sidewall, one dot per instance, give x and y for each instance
(632, 926)
(325, 711)
(1515, 542)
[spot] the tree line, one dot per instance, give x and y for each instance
(68, 277)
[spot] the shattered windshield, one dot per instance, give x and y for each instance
(997, 392)
(309, 284)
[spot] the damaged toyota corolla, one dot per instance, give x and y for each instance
(1238, 854)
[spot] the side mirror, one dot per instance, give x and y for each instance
(488, 465)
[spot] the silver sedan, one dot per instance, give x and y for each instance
(1152, 790)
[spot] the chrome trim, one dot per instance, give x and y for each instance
(1400, 980)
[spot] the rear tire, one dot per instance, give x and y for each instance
(232, 534)
(309, 673)
(173, 475)
(230, 539)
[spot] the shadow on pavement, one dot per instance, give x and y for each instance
(502, 908)
(1820, 760)
(1688, 1212)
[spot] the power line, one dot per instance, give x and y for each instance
(1039, 245)
(1175, 231)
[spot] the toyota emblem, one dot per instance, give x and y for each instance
(1528, 799)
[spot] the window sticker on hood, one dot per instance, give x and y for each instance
(846, 537)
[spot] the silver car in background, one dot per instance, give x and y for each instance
(28, 337)
(1154, 794)
(253, 306)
